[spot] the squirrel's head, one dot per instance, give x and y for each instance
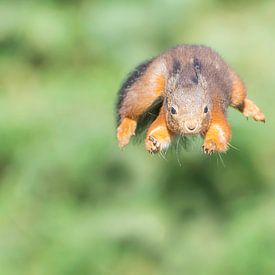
(187, 104)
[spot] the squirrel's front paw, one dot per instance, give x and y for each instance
(210, 146)
(154, 145)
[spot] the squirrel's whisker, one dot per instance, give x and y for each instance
(222, 162)
(232, 146)
(177, 152)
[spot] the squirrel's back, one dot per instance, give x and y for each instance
(215, 71)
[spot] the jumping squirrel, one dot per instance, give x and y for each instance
(195, 86)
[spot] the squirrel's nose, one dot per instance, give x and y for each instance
(191, 126)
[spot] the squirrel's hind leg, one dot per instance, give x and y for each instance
(158, 136)
(246, 106)
(125, 131)
(250, 109)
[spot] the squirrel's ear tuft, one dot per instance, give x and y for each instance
(197, 64)
(199, 78)
(176, 66)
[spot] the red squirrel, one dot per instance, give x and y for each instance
(196, 87)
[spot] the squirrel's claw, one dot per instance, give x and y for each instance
(152, 145)
(155, 145)
(209, 147)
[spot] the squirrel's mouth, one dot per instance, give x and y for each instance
(191, 128)
(189, 131)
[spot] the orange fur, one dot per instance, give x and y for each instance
(218, 134)
(125, 130)
(250, 109)
(158, 136)
(243, 104)
(141, 96)
(137, 101)
(160, 84)
(238, 93)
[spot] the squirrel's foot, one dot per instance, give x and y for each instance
(250, 109)
(156, 144)
(210, 146)
(125, 130)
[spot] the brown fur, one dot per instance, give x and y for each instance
(196, 86)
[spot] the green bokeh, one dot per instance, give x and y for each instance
(71, 202)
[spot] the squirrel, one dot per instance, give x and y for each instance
(196, 86)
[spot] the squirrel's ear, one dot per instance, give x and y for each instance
(197, 67)
(176, 67)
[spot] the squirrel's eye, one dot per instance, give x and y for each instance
(173, 111)
(205, 109)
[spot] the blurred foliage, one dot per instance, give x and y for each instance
(70, 201)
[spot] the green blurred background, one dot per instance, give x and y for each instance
(70, 201)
